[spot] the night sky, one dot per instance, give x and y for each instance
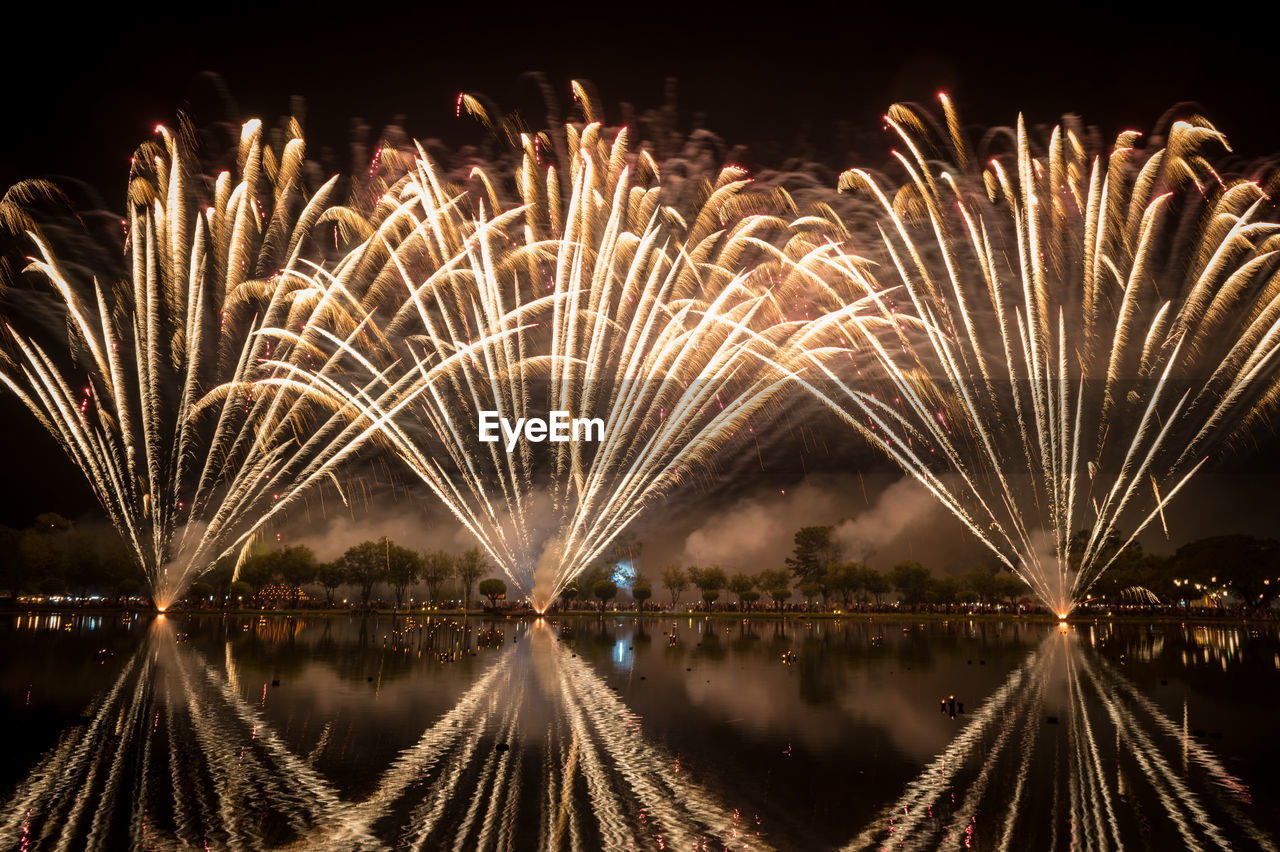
(82, 89)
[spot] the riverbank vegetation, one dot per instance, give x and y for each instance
(57, 561)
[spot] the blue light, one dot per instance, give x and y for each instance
(624, 573)
(622, 655)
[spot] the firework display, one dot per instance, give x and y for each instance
(1089, 328)
(656, 330)
(638, 428)
(151, 391)
(1050, 342)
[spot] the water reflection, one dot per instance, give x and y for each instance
(606, 733)
(172, 755)
(1113, 748)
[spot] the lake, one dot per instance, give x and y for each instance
(350, 733)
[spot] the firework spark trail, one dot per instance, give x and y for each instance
(1080, 330)
(603, 305)
(196, 433)
(148, 350)
(1018, 694)
(634, 792)
(668, 325)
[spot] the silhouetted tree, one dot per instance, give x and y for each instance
(773, 582)
(912, 580)
(199, 593)
(364, 566)
(238, 591)
(709, 581)
(641, 590)
(39, 558)
(946, 589)
(740, 584)
(676, 581)
(259, 569)
(815, 549)
(1134, 568)
(470, 566)
(437, 568)
(1247, 565)
(296, 566)
(403, 567)
(604, 590)
(52, 585)
(876, 584)
(843, 579)
(981, 580)
(493, 588)
(1009, 588)
(330, 576)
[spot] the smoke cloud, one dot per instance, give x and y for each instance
(405, 523)
(880, 520)
(903, 508)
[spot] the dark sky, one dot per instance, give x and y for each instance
(83, 88)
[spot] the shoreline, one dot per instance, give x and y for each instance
(1026, 618)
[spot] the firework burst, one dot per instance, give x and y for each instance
(1089, 329)
(151, 390)
(597, 301)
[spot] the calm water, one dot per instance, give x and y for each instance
(351, 733)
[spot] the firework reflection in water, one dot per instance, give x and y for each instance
(174, 753)
(1112, 755)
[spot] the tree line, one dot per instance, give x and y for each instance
(362, 568)
(846, 583)
(53, 556)
(1246, 568)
